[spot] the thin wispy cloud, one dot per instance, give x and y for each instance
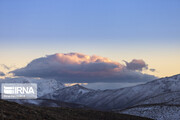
(152, 70)
(8, 68)
(5, 66)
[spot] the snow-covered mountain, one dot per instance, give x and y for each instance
(164, 105)
(68, 94)
(45, 86)
(158, 99)
(119, 98)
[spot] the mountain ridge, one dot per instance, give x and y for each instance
(158, 95)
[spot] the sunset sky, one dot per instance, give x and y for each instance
(120, 30)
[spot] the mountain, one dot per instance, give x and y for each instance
(119, 98)
(157, 99)
(44, 86)
(14, 111)
(68, 94)
(162, 106)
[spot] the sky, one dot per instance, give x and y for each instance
(121, 30)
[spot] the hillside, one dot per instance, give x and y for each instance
(14, 111)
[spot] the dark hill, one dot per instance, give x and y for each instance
(14, 111)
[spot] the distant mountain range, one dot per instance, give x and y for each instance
(45, 86)
(158, 99)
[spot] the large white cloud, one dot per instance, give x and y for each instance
(76, 67)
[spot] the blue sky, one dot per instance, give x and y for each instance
(118, 29)
(92, 19)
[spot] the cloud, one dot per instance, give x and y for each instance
(105, 86)
(2, 74)
(152, 70)
(136, 64)
(72, 84)
(80, 68)
(5, 66)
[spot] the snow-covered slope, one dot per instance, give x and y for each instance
(45, 86)
(157, 112)
(162, 106)
(119, 98)
(68, 94)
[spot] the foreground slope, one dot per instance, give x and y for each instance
(14, 111)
